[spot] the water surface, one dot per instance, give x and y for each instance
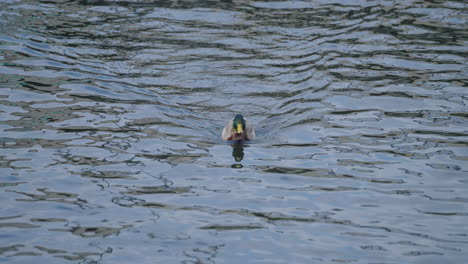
(111, 114)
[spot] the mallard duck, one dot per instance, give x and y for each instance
(238, 129)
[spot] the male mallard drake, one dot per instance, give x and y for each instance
(238, 129)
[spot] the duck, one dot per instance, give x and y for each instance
(238, 129)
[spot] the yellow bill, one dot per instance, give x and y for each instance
(239, 128)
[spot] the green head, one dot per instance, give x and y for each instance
(238, 124)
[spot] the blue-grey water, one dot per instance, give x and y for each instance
(111, 114)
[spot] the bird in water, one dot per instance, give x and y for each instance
(238, 129)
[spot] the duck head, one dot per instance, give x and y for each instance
(238, 124)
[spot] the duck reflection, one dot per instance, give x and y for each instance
(237, 153)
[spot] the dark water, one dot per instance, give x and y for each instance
(111, 114)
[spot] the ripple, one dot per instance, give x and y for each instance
(98, 231)
(231, 227)
(111, 113)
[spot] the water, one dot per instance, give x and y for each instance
(111, 115)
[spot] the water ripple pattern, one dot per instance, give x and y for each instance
(111, 114)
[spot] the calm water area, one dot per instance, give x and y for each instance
(110, 131)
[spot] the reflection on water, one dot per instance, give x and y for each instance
(111, 111)
(238, 151)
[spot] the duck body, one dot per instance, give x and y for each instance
(238, 129)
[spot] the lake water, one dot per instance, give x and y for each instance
(112, 111)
